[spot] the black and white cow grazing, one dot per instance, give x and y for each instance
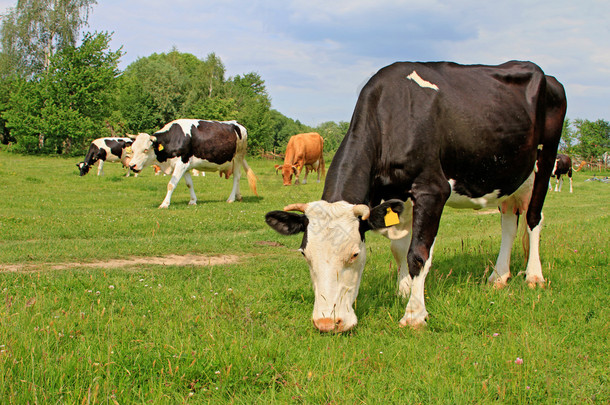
(185, 144)
(563, 165)
(106, 150)
(426, 135)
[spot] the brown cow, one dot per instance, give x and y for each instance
(303, 150)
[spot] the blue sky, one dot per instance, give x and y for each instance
(315, 55)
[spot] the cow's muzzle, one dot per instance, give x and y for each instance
(133, 169)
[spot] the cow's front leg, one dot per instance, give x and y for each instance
(177, 174)
(305, 176)
(189, 183)
(297, 172)
(427, 209)
(501, 273)
(100, 167)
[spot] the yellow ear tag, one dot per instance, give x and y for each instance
(128, 149)
(391, 218)
(160, 147)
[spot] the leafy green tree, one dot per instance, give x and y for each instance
(568, 136)
(64, 108)
(593, 138)
(253, 105)
(333, 133)
(283, 128)
(34, 30)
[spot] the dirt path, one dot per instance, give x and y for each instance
(171, 260)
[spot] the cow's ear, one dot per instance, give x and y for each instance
(385, 214)
(286, 223)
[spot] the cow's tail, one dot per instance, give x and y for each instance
(251, 177)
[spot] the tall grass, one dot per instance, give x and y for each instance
(241, 333)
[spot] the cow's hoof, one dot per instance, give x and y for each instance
(163, 206)
(535, 281)
(413, 323)
(192, 202)
(230, 201)
(498, 282)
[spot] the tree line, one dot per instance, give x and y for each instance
(56, 95)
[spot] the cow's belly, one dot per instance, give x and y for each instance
(207, 166)
(493, 199)
(456, 200)
(112, 158)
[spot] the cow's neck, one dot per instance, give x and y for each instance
(349, 176)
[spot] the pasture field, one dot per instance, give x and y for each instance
(93, 309)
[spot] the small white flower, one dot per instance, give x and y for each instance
(111, 287)
(97, 293)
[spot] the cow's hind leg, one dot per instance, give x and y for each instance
(400, 248)
(501, 272)
(235, 194)
(189, 183)
(533, 272)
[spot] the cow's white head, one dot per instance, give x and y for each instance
(333, 245)
(142, 152)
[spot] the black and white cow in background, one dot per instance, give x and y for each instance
(422, 136)
(106, 150)
(563, 165)
(185, 144)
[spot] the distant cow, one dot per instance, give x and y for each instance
(303, 150)
(422, 136)
(563, 165)
(106, 150)
(185, 144)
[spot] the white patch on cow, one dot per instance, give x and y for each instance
(185, 124)
(461, 201)
(555, 167)
(421, 82)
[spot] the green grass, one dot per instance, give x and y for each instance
(241, 333)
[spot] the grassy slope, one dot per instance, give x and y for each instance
(241, 333)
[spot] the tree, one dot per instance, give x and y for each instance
(333, 133)
(593, 138)
(34, 30)
(63, 109)
(253, 105)
(568, 136)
